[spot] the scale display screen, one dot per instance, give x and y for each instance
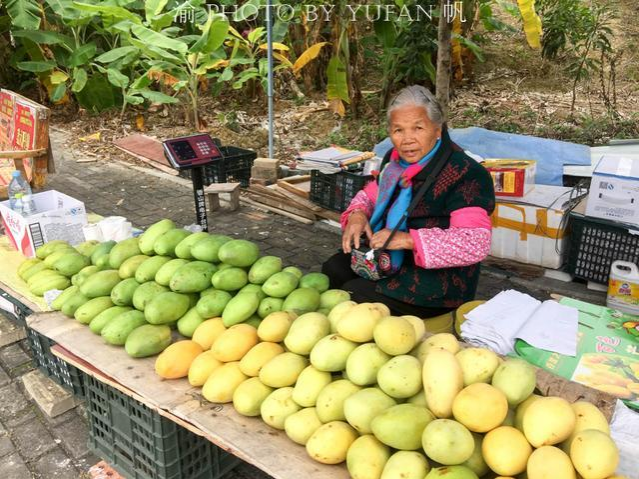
(191, 151)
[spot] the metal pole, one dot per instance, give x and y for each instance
(269, 41)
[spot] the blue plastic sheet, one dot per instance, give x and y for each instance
(551, 155)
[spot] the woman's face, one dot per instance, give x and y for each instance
(413, 134)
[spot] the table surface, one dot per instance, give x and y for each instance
(248, 438)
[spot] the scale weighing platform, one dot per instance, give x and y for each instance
(193, 153)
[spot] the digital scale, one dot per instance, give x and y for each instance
(194, 153)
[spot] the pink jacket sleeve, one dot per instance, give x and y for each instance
(465, 242)
(364, 200)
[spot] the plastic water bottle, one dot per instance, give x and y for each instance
(20, 194)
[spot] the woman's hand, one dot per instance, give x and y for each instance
(357, 224)
(400, 240)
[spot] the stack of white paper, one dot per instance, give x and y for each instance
(512, 315)
(328, 160)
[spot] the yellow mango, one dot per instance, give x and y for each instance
(364, 363)
(301, 425)
(548, 421)
(329, 444)
(480, 407)
(277, 407)
(174, 362)
(549, 462)
(476, 461)
(309, 384)
(587, 416)
(283, 370)
(478, 365)
(406, 465)
(207, 332)
(418, 326)
(358, 323)
(401, 426)
(394, 335)
(275, 326)
(506, 451)
(516, 379)
(521, 410)
(594, 454)
(331, 353)
(249, 396)
(443, 379)
(337, 312)
(445, 341)
(234, 343)
(222, 383)
(366, 458)
(400, 377)
(202, 367)
(362, 407)
(330, 400)
(447, 442)
(258, 356)
(305, 331)
(383, 309)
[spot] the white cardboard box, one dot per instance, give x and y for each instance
(57, 217)
(530, 230)
(614, 190)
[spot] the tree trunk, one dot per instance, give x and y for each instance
(444, 62)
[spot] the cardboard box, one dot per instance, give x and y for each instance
(57, 217)
(512, 178)
(614, 190)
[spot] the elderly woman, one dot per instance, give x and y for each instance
(434, 255)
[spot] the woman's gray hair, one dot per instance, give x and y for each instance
(418, 95)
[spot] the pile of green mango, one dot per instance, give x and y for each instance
(169, 278)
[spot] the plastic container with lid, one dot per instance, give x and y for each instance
(623, 287)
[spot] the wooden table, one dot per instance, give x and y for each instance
(250, 439)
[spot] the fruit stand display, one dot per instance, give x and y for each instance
(347, 382)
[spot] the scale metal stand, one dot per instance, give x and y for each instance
(194, 153)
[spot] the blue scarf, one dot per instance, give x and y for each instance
(397, 173)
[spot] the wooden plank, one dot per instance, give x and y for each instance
(296, 198)
(281, 205)
(300, 185)
(22, 154)
(248, 438)
(146, 149)
(295, 217)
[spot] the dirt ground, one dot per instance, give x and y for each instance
(513, 90)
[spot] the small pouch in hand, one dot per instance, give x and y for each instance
(371, 264)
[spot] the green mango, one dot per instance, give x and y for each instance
(84, 273)
(192, 277)
(254, 321)
(147, 340)
(102, 250)
(98, 323)
(187, 324)
(100, 283)
(167, 307)
(253, 288)
(26, 264)
(118, 329)
(280, 285)
(213, 303)
(57, 303)
(87, 247)
(130, 265)
(147, 270)
(153, 232)
(89, 310)
(122, 293)
(269, 305)
(183, 249)
(165, 244)
(46, 249)
(264, 268)
(229, 279)
(166, 271)
(70, 264)
(240, 308)
(103, 262)
(207, 248)
(145, 293)
(122, 251)
(318, 281)
(239, 252)
(294, 270)
(34, 270)
(59, 282)
(72, 304)
(302, 300)
(332, 297)
(57, 254)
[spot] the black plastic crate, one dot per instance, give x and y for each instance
(595, 244)
(60, 371)
(334, 191)
(235, 167)
(20, 311)
(140, 444)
